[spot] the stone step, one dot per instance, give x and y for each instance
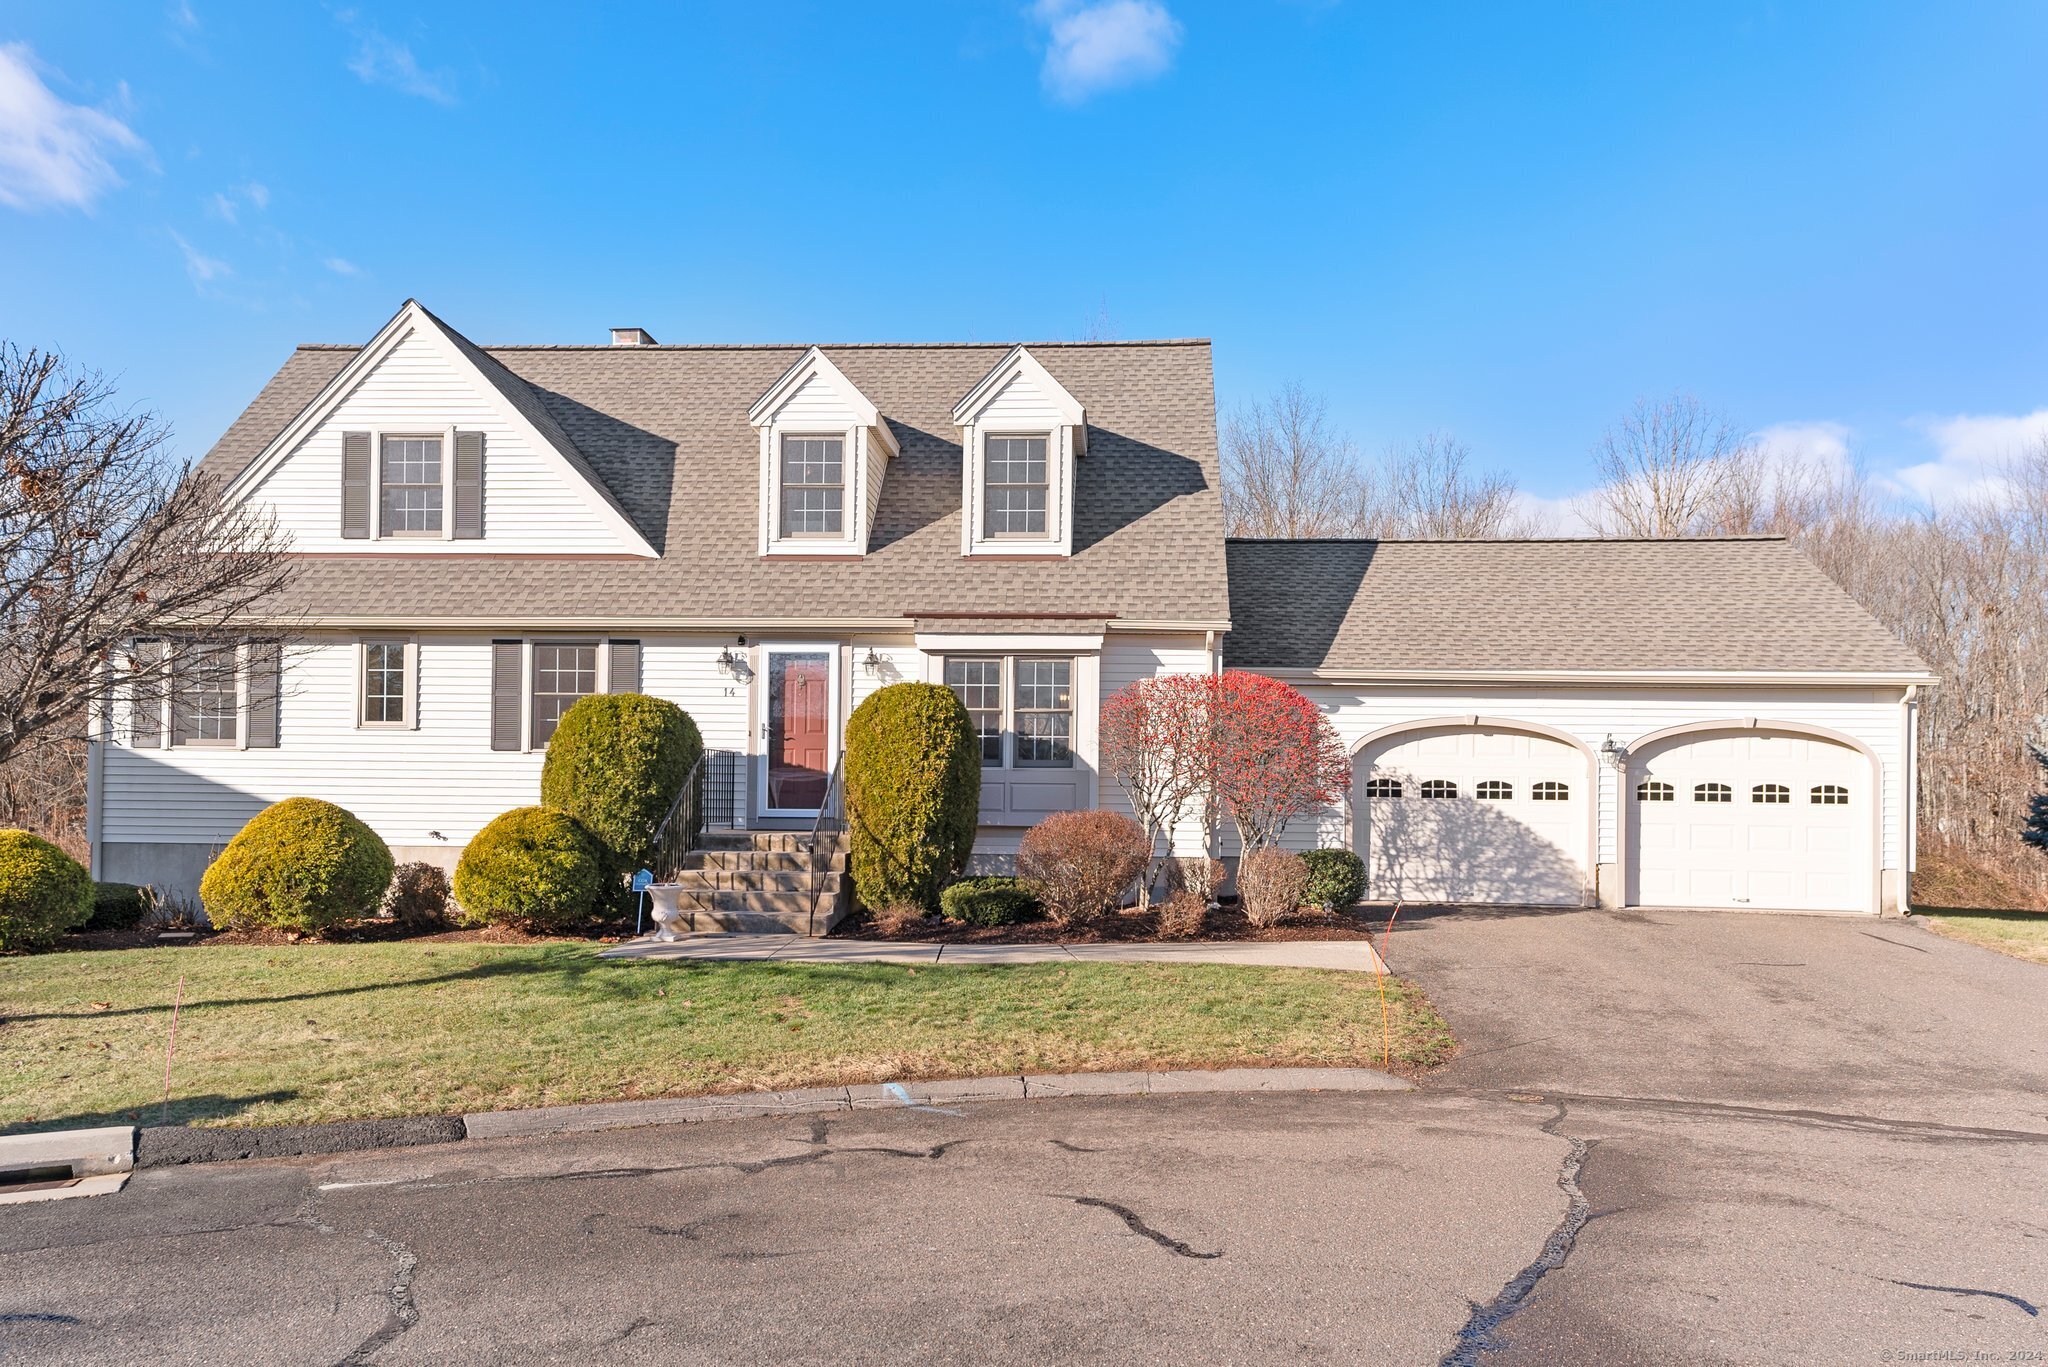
(757, 860)
(752, 880)
(781, 841)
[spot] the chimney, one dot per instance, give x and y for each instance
(631, 337)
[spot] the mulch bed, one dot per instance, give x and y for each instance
(1127, 926)
(359, 932)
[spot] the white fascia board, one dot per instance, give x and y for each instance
(1156, 628)
(816, 363)
(816, 626)
(1019, 360)
(1009, 643)
(1675, 677)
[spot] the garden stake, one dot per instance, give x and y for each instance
(172, 1047)
(1379, 973)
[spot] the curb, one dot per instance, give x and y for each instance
(50, 1165)
(177, 1145)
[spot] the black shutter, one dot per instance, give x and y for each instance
(355, 485)
(625, 666)
(146, 718)
(469, 485)
(505, 696)
(266, 667)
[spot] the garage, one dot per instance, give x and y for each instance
(1762, 820)
(1474, 813)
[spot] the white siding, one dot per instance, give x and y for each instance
(1126, 659)
(1021, 406)
(815, 407)
(532, 505)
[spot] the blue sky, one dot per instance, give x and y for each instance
(1503, 221)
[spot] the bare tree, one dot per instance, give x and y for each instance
(1428, 493)
(1666, 470)
(1285, 472)
(102, 540)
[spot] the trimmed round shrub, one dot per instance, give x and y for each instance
(117, 906)
(299, 865)
(43, 892)
(913, 787)
(1081, 863)
(532, 867)
(616, 763)
(989, 902)
(1336, 879)
(418, 896)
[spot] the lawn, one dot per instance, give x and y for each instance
(2022, 934)
(330, 1032)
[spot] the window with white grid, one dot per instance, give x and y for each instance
(813, 486)
(384, 690)
(1014, 484)
(412, 486)
(562, 673)
(978, 683)
(1045, 713)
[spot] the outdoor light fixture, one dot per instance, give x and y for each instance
(733, 661)
(1613, 751)
(871, 662)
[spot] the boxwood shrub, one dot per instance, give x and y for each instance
(299, 865)
(1336, 878)
(43, 892)
(116, 906)
(532, 867)
(615, 763)
(913, 788)
(989, 902)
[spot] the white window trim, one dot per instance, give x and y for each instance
(378, 436)
(1008, 659)
(529, 693)
(411, 684)
(848, 444)
(835, 720)
(169, 718)
(1053, 465)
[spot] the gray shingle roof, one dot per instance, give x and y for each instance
(665, 430)
(1422, 607)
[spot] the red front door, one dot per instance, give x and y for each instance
(799, 715)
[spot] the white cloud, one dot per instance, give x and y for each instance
(226, 204)
(379, 60)
(53, 152)
(1819, 446)
(1542, 516)
(181, 15)
(1109, 43)
(257, 194)
(1970, 451)
(341, 265)
(202, 269)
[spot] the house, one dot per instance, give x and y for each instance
(767, 534)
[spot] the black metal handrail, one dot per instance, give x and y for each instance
(682, 830)
(825, 833)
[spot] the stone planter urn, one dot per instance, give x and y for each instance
(665, 905)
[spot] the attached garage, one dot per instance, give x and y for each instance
(1750, 819)
(1475, 812)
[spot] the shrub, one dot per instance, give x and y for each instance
(1181, 916)
(299, 865)
(117, 906)
(1270, 884)
(532, 867)
(913, 787)
(616, 763)
(1336, 879)
(898, 918)
(1197, 874)
(418, 896)
(989, 901)
(43, 891)
(1079, 863)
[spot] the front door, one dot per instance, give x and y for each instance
(796, 734)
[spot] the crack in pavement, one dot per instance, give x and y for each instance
(1899, 944)
(1478, 1334)
(1070, 1148)
(403, 1314)
(1928, 1130)
(2033, 1311)
(1138, 1226)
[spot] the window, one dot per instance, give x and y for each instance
(412, 486)
(1439, 787)
(1772, 793)
(1653, 791)
(1550, 790)
(562, 673)
(1496, 790)
(384, 684)
(1712, 792)
(813, 486)
(1014, 486)
(1045, 713)
(1383, 787)
(204, 707)
(1021, 702)
(1829, 795)
(979, 686)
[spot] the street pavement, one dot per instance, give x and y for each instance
(1669, 1138)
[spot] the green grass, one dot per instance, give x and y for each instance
(2022, 934)
(332, 1032)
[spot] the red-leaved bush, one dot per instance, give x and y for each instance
(1270, 884)
(1275, 757)
(1079, 863)
(1154, 740)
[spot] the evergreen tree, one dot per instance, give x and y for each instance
(2035, 832)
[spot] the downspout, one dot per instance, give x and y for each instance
(97, 732)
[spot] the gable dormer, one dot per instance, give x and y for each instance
(1021, 434)
(424, 443)
(824, 450)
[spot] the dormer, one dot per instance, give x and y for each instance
(824, 450)
(1021, 434)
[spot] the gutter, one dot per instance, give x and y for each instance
(1669, 677)
(899, 626)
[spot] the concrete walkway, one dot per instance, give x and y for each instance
(1348, 955)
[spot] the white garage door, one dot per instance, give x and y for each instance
(1467, 814)
(1746, 819)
